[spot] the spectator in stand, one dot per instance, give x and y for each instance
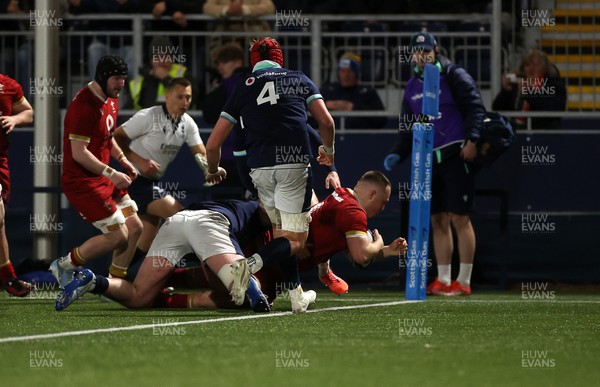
(16, 55)
(537, 86)
(149, 88)
(177, 9)
(229, 60)
(348, 95)
(98, 48)
(244, 13)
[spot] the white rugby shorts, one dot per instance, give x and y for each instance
(203, 232)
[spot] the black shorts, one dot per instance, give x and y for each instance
(145, 191)
(453, 186)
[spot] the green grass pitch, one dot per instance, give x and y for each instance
(364, 338)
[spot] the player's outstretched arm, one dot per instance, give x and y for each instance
(332, 180)
(217, 137)
(394, 249)
(199, 152)
(326, 129)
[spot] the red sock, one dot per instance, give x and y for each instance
(166, 300)
(76, 258)
(7, 273)
(178, 301)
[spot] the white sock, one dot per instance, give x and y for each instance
(255, 262)
(464, 274)
(297, 290)
(65, 262)
(444, 273)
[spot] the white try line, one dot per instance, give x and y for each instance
(524, 301)
(193, 322)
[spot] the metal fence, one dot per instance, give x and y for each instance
(313, 44)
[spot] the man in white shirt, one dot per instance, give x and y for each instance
(151, 139)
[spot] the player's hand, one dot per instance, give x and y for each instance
(332, 180)
(149, 167)
(391, 161)
(469, 151)
(128, 168)
(120, 180)
(377, 238)
(217, 177)
(398, 246)
(376, 235)
(8, 123)
(324, 158)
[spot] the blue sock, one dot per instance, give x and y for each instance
(290, 272)
(278, 252)
(101, 285)
(136, 263)
(275, 251)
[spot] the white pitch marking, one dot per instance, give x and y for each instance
(193, 322)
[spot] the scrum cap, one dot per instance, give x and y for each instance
(266, 49)
(108, 66)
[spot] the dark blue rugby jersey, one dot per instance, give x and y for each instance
(271, 107)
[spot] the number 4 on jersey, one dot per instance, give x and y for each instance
(267, 94)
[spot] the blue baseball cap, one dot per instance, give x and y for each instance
(423, 39)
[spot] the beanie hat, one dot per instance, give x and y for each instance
(350, 61)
